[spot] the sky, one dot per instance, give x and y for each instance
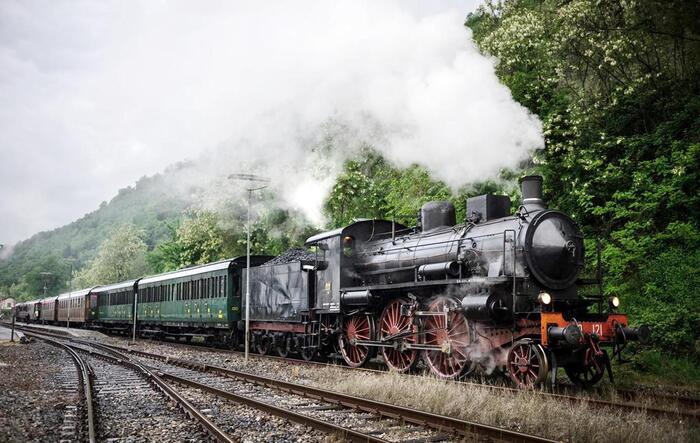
(94, 95)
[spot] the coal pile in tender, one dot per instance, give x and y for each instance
(292, 255)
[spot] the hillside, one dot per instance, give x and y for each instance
(149, 205)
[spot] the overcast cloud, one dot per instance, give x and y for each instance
(94, 95)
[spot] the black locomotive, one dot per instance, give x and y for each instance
(499, 290)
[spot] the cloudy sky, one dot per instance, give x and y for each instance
(94, 95)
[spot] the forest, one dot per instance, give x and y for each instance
(617, 86)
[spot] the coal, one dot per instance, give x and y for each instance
(292, 255)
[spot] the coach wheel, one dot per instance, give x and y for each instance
(233, 341)
(354, 328)
(262, 345)
(392, 323)
(307, 353)
(587, 375)
(527, 364)
(283, 346)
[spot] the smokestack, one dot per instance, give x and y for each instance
(531, 186)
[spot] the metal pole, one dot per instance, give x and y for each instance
(247, 282)
(249, 178)
(43, 320)
(136, 300)
(12, 334)
(70, 294)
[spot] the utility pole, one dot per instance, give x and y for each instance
(256, 184)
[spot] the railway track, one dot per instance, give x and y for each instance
(681, 406)
(122, 387)
(85, 388)
(385, 420)
(351, 418)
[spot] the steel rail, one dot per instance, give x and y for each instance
(596, 402)
(629, 395)
(443, 423)
(85, 376)
(346, 433)
(653, 411)
(161, 385)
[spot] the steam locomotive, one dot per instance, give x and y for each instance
(497, 291)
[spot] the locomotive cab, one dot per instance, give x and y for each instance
(337, 254)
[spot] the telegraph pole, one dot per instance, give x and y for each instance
(256, 184)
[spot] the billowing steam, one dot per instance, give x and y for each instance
(124, 89)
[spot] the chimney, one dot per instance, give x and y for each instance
(531, 186)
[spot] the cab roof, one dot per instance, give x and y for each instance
(363, 230)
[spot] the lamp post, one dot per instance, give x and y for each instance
(256, 183)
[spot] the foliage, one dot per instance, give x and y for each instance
(616, 84)
(370, 187)
(120, 257)
(205, 237)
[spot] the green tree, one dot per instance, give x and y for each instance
(617, 86)
(201, 239)
(120, 257)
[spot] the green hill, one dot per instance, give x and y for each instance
(149, 205)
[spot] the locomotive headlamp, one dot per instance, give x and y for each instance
(614, 302)
(544, 298)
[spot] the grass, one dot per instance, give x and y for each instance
(522, 411)
(656, 369)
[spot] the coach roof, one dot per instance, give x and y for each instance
(218, 266)
(115, 286)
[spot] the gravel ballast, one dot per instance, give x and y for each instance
(38, 394)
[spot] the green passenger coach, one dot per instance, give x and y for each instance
(200, 301)
(113, 305)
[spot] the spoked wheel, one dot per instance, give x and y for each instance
(263, 345)
(392, 323)
(282, 348)
(527, 364)
(451, 332)
(587, 375)
(356, 327)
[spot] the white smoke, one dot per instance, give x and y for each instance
(413, 87)
(124, 88)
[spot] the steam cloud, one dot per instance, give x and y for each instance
(128, 88)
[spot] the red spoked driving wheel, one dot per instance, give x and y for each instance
(393, 324)
(527, 364)
(354, 328)
(450, 331)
